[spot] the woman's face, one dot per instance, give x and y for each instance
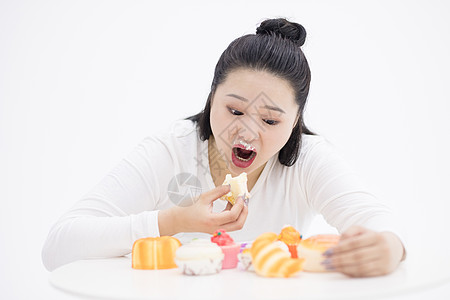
(252, 116)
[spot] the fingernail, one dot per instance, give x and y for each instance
(328, 253)
(327, 264)
(329, 267)
(244, 199)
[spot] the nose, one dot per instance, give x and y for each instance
(249, 130)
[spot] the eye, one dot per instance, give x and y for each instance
(271, 122)
(234, 112)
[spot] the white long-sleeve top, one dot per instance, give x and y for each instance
(124, 206)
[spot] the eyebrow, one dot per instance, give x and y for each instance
(265, 106)
(238, 97)
(273, 108)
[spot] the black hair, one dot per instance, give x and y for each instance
(274, 48)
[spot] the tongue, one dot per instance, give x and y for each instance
(244, 153)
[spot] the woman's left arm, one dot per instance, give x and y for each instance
(370, 242)
(363, 253)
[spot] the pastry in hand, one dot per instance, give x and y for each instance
(199, 257)
(312, 249)
(270, 260)
(238, 187)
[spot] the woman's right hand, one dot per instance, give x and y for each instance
(199, 217)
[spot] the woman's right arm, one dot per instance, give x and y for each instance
(122, 209)
(116, 212)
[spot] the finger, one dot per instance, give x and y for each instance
(367, 269)
(214, 194)
(239, 223)
(360, 241)
(356, 257)
(231, 215)
(353, 231)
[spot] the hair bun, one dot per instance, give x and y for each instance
(282, 27)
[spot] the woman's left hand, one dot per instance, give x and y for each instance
(363, 253)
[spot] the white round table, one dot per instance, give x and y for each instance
(115, 279)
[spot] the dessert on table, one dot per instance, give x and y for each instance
(269, 260)
(154, 253)
(199, 257)
(291, 237)
(245, 257)
(229, 248)
(312, 249)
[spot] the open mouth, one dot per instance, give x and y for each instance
(243, 154)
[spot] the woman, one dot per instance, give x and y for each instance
(253, 123)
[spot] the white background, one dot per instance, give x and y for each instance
(82, 82)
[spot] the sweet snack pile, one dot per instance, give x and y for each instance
(270, 260)
(154, 253)
(270, 254)
(291, 237)
(229, 248)
(311, 251)
(238, 188)
(199, 257)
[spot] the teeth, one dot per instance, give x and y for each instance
(243, 159)
(247, 145)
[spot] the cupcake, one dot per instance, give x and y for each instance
(245, 257)
(199, 257)
(291, 237)
(229, 248)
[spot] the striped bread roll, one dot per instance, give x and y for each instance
(270, 260)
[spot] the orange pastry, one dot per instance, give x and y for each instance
(270, 260)
(154, 253)
(291, 237)
(311, 249)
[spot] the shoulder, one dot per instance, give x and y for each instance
(180, 131)
(168, 150)
(315, 150)
(314, 145)
(309, 141)
(175, 147)
(183, 128)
